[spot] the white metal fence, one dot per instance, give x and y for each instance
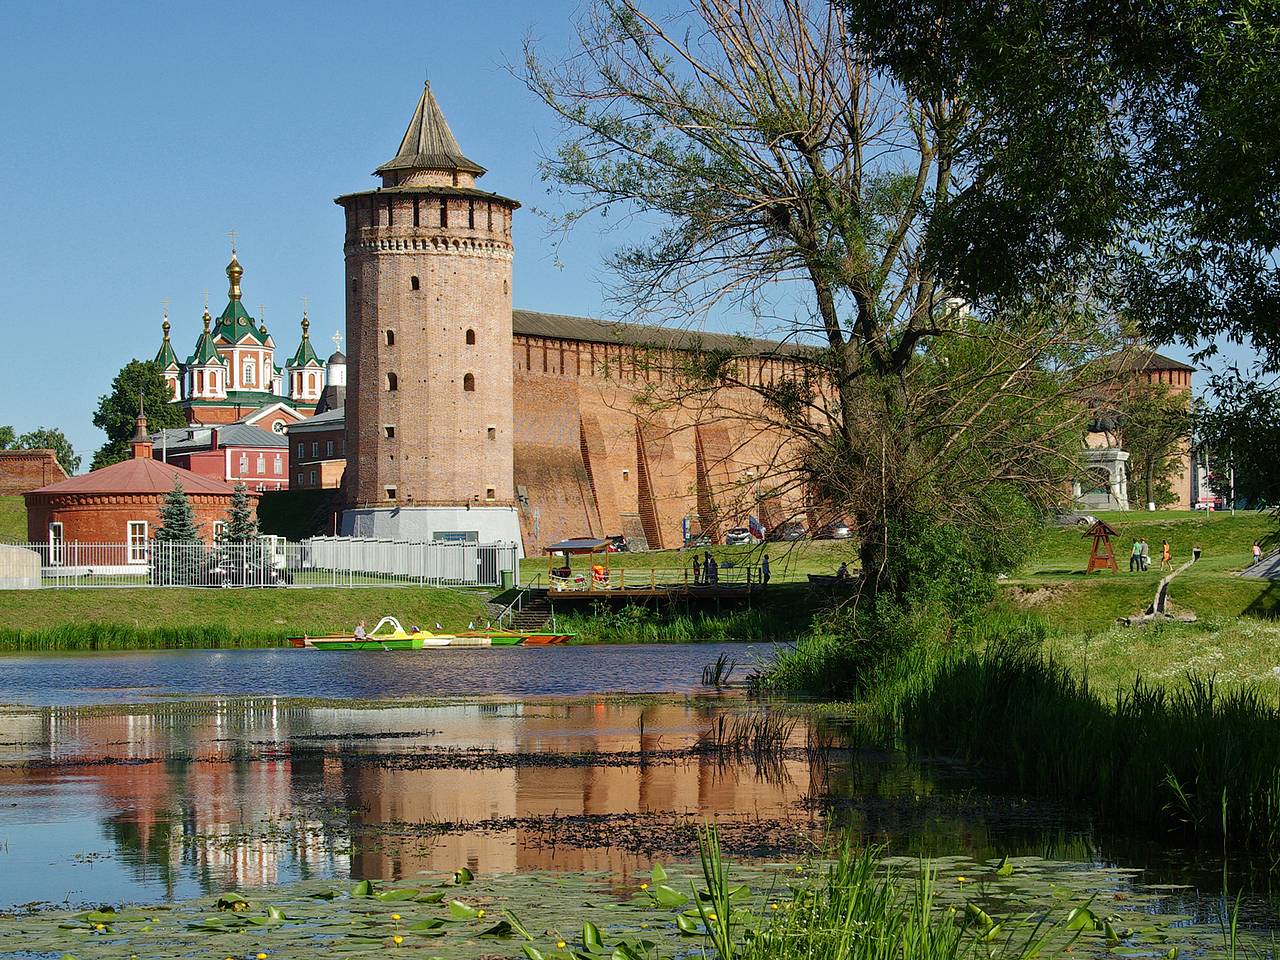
(273, 562)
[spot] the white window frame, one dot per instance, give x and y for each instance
(218, 527)
(302, 449)
(55, 543)
(244, 464)
(137, 544)
(328, 449)
(313, 478)
(277, 467)
(262, 464)
(247, 371)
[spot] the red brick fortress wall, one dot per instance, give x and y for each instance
(23, 470)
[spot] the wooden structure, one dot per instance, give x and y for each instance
(1102, 556)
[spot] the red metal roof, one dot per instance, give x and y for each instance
(141, 475)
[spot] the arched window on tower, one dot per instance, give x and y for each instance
(444, 212)
(247, 373)
(391, 338)
(469, 383)
(414, 284)
(393, 382)
(471, 338)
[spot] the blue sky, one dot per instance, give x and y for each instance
(136, 135)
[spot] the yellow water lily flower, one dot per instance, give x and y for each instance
(395, 916)
(644, 886)
(262, 956)
(99, 927)
(962, 879)
(773, 906)
(559, 944)
(479, 913)
(397, 939)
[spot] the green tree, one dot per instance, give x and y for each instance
(241, 525)
(7, 438)
(50, 438)
(789, 175)
(1242, 429)
(1154, 425)
(177, 518)
(117, 411)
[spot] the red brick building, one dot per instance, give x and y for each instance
(235, 453)
(318, 452)
(121, 503)
(23, 470)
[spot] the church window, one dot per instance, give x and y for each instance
(262, 464)
(390, 431)
(137, 541)
(199, 381)
(278, 467)
(393, 382)
(469, 383)
(471, 338)
(244, 464)
(248, 373)
(391, 338)
(416, 217)
(311, 382)
(471, 214)
(414, 284)
(444, 212)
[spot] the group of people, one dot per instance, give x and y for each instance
(707, 571)
(1140, 555)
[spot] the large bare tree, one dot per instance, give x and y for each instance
(774, 170)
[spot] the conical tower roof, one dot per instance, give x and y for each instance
(429, 144)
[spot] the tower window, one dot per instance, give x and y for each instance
(471, 338)
(389, 430)
(492, 433)
(444, 212)
(415, 212)
(469, 383)
(355, 286)
(391, 493)
(393, 382)
(413, 283)
(391, 338)
(490, 493)
(489, 207)
(471, 214)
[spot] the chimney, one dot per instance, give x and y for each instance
(140, 445)
(213, 438)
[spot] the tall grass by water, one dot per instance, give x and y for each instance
(1197, 761)
(116, 636)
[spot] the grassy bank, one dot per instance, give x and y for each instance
(13, 519)
(1197, 760)
(176, 617)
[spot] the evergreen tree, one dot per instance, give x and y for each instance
(177, 518)
(242, 522)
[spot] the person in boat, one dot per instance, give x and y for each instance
(414, 629)
(843, 572)
(360, 632)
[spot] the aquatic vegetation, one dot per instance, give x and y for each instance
(717, 674)
(854, 905)
(118, 636)
(1196, 760)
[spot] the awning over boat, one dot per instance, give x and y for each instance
(578, 545)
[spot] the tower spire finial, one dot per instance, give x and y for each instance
(234, 273)
(164, 324)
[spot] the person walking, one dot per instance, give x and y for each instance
(764, 570)
(1164, 556)
(697, 569)
(1135, 556)
(706, 567)
(1195, 552)
(1145, 559)
(1257, 551)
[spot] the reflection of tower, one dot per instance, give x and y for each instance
(429, 422)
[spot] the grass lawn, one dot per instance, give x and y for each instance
(13, 519)
(248, 613)
(787, 561)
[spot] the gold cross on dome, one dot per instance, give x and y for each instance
(305, 302)
(233, 234)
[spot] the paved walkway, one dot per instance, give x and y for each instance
(1268, 568)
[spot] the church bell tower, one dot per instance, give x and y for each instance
(429, 409)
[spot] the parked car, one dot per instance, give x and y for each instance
(1067, 519)
(696, 540)
(738, 536)
(833, 531)
(788, 530)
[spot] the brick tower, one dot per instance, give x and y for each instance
(429, 409)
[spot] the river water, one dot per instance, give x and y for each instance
(157, 776)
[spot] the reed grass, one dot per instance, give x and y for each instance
(1196, 762)
(115, 636)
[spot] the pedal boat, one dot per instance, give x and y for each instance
(387, 635)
